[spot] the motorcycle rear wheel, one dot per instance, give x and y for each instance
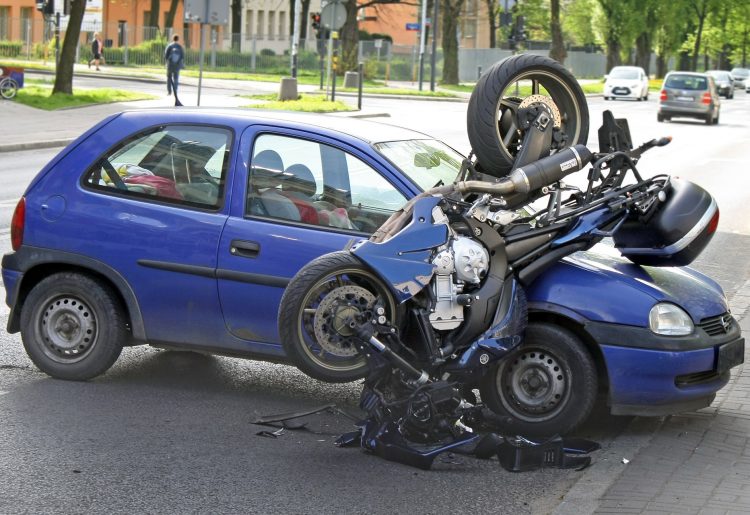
(336, 274)
(547, 386)
(495, 100)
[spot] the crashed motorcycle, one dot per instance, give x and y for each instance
(434, 301)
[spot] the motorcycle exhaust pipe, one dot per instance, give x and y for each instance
(550, 169)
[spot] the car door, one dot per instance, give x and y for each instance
(303, 195)
(159, 200)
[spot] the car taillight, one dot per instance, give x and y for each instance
(714, 223)
(17, 223)
(706, 98)
(663, 95)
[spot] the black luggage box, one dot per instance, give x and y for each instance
(677, 233)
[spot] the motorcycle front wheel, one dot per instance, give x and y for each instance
(547, 386)
(314, 308)
(517, 82)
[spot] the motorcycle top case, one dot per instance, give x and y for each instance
(677, 233)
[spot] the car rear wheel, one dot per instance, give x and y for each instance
(709, 119)
(547, 386)
(660, 117)
(73, 326)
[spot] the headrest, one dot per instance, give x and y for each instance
(298, 178)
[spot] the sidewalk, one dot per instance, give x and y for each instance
(693, 463)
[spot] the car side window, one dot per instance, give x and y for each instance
(184, 164)
(312, 183)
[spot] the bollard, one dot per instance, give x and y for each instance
(288, 89)
(360, 69)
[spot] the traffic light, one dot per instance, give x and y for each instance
(315, 17)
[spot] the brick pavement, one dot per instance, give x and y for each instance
(695, 463)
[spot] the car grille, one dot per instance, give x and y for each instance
(621, 91)
(717, 325)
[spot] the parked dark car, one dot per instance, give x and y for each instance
(181, 229)
(724, 82)
(689, 95)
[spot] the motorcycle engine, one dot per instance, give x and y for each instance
(464, 262)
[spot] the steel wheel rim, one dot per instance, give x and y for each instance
(306, 323)
(68, 329)
(534, 384)
(558, 90)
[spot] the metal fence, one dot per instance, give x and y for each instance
(33, 39)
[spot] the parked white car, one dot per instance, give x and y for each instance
(626, 82)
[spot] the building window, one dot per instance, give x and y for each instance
(282, 24)
(248, 24)
(4, 23)
(261, 19)
(26, 23)
(271, 24)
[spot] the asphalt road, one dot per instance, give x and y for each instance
(172, 432)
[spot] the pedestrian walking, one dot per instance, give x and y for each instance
(96, 50)
(174, 56)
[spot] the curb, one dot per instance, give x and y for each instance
(36, 145)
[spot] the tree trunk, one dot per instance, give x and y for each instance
(304, 16)
(451, 14)
(492, 18)
(701, 19)
(64, 75)
(169, 20)
(349, 39)
(153, 17)
(613, 53)
(557, 51)
(661, 65)
(643, 51)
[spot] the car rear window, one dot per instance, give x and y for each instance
(690, 82)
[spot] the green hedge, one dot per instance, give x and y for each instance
(10, 48)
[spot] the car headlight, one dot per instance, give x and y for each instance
(669, 320)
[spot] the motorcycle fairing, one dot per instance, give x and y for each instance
(403, 261)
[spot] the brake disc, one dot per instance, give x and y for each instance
(546, 101)
(336, 316)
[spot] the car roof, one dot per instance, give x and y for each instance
(346, 126)
(696, 74)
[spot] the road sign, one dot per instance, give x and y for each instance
(333, 15)
(412, 26)
(212, 12)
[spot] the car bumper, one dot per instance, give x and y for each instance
(621, 93)
(688, 112)
(11, 282)
(651, 375)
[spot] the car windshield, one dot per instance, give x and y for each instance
(741, 72)
(692, 82)
(426, 162)
(720, 75)
(623, 73)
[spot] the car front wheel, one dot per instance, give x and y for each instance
(546, 386)
(73, 326)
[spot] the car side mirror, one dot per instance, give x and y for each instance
(606, 77)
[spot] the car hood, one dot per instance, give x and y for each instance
(697, 293)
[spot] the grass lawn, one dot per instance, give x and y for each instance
(305, 103)
(41, 97)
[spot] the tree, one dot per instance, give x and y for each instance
(451, 16)
(647, 11)
(701, 9)
(169, 18)
(153, 15)
(493, 10)
(64, 75)
(557, 51)
(304, 16)
(615, 26)
(578, 22)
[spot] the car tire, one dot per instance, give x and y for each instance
(546, 386)
(716, 120)
(659, 117)
(334, 360)
(73, 326)
(709, 120)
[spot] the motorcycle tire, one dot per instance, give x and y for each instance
(329, 360)
(547, 386)
(491, 142)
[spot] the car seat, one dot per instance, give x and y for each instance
(265, 199)
(299, 186)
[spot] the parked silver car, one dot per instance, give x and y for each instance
(741, 77)
(692, 95)
(724, 82)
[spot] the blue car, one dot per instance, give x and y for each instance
(181, 228)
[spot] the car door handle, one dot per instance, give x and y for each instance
(244, 248)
